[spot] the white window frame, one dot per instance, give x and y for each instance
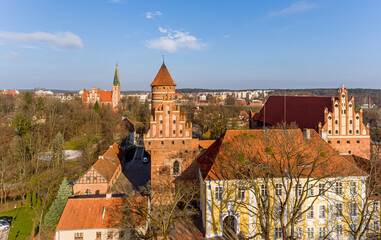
(321, 189)
(310, 214)
(278, 232)
(353, 188)
(298, 189)
(278, 189)
(322, 231)
(298, 232)
(322, 211)
(218, 193)
(376, 225)
(241, 193)
(310, 231)
(263, 190)
(339, 230)
(310, 191)
(339, 210)
(339, 188)
(352, 209)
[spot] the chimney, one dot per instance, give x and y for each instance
(307, 133)
(108, 195)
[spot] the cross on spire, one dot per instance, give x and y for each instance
(163, 58)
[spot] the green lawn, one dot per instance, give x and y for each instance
(22, 222)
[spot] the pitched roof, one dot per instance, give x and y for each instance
(107, 164)
(104, 96)
(85, 213)
(306, 111)
(116, 77)
(256, 146)
(163, 78)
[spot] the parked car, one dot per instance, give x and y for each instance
(4, 224)
(145, 160)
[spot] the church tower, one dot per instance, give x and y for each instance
(169, 137)
(116, 89)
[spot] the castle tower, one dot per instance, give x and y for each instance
(344, 128)
(169, 137)
(116, 89)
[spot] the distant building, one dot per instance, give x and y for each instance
(101, 176)
(95, 218)
(334, 118)
(104, 98)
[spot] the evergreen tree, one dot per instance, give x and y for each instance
(56, 209)
(58, 147)
(28, 199)
(97, 107)
(34, 199)
(22, 124)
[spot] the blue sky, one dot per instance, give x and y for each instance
(74, 44)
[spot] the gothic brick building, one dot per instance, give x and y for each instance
(169, 138)
(104, 98)
(335, 118)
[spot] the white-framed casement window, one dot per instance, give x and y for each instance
(218, 193)
(339, 209)
(310, 233)
(310, 212)
(339, 230)
(339, 188)
(352, 209)
(376, 207)
(310, 191)
(322, 232)
(376, 225)
(241, 193)
(322, 211)
(298, 190)
(278, 189)
(353, 188)
(298, 232)
(278, 232)
(321, 189)
(78, 235)
(263, 190)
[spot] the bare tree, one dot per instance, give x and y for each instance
(286, 171)
(167, 205)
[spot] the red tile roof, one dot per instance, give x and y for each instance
(104, 96)
(306, 111)
(163, 78)
(226, 152)
(85, 213)
(109, 162)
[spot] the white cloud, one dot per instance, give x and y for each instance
(226, 36)
(175, 40)
(295, 8)
(115, 1)
(151, 15)
(11, 56)
(59, 40)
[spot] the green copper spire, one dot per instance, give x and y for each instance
(116, 77)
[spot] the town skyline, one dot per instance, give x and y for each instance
(267, 45)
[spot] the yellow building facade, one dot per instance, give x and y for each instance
(300, 199)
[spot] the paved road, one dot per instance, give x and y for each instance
(4, 234)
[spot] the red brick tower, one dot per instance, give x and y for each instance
(116, 89)
(169, 137)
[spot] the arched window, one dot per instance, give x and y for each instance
(176, 168)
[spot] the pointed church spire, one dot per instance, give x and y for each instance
(116, 76)
(163, 78)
